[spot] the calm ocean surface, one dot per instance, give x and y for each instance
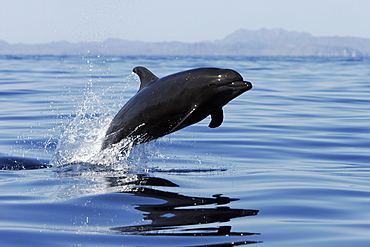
(290, 165)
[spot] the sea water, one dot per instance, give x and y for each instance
(289, 166)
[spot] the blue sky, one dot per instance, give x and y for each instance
(42, 21)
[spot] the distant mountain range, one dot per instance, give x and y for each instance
(262, 42)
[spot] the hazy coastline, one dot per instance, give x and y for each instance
(262, 42)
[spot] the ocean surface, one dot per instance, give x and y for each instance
(289, 166)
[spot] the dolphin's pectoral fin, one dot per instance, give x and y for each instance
(217, 118)
(177, 126)
(145, 75)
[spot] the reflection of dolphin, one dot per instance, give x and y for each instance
(162, 106)
(179, 215)
(173, 213)
(166, 218)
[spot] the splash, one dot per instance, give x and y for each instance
(81, 137)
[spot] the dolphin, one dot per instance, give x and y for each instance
(165, 105)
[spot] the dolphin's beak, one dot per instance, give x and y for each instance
(233, 80)
(240, 85)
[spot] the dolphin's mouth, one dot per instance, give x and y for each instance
(239, 85)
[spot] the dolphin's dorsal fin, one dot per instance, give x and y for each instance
(217, 118)
(145, 75)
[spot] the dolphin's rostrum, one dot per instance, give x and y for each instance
(165, 105)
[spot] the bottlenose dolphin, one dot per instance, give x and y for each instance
(165, 105)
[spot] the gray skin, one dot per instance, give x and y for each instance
(165, 105)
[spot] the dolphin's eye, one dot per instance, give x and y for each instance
(212, 85)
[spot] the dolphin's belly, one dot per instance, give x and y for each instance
(141, 126)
